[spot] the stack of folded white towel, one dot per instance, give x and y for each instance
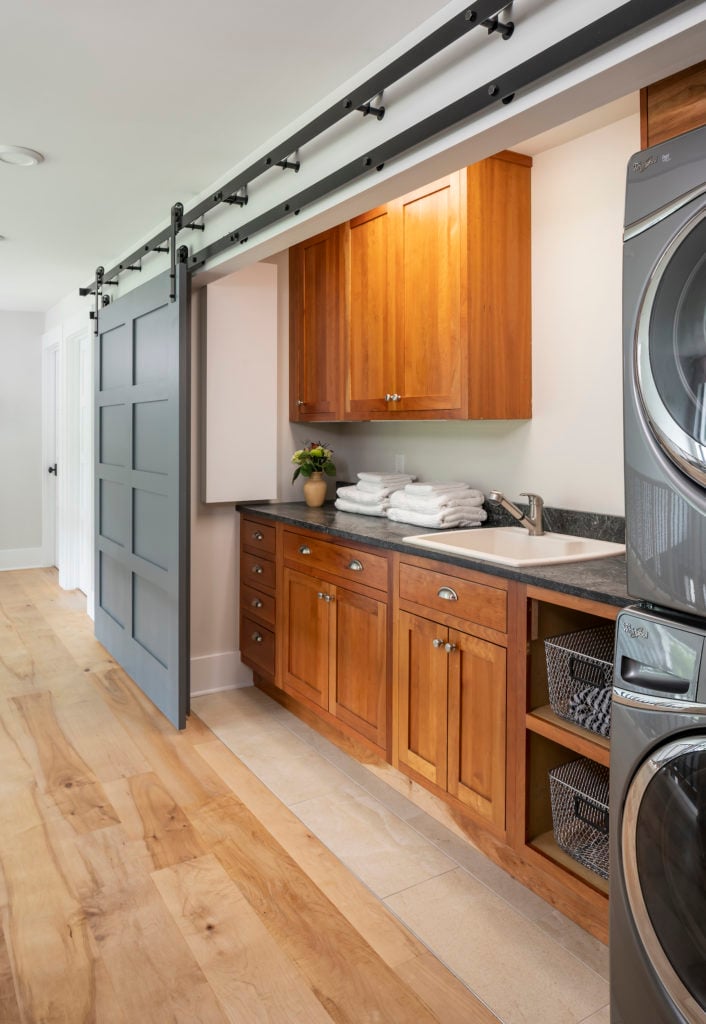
(371, 495)
(441, 506)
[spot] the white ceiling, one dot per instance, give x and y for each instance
(136, 104)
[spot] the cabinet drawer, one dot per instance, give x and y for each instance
(441, 592)
(257, 603)
(346, 562)
(257, 646)
(255, 536)
(257, 570)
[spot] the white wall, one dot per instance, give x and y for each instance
(571, 450)
(20, 439)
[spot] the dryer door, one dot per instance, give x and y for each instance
(670, 351)
(664, 860)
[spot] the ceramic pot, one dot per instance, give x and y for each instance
(315, 490)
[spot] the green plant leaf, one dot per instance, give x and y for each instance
(297, 471)
(329, 469)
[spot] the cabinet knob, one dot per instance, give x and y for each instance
(355, 566)
(447, 594)
(300, 403)
(304, 549)
(256, 603)
(449, 648)
(321, 595)
(257, 535)
(257, 637)
(437, 643)
(393, 397)
(258, 570)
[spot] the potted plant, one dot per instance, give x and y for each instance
(313, 461)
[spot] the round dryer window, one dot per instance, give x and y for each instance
(670, 354)
(664, 861)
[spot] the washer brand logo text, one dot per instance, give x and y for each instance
(636, 632)
(641, 165)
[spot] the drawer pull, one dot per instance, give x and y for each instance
(258, 535)
(304, 549)
(355, 566)
(447, 594)
(449, 648)
(257, 637)
(258, 570)
(437, 643)
(256, 603)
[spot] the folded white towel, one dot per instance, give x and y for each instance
(438, 521)
(436, 487)
(387, 478)
(436, 502)
(381, 489)
(355, 494)
(364, 510)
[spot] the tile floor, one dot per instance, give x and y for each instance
(525, 960)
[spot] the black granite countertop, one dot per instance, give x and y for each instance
(600, 579)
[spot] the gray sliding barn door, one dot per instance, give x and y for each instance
(142, 452)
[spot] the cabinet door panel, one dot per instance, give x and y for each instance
(306, 637)
(422, 697)
(316, 291)
(359, 689)
(477, 725)
(430, 345)
(370, 289)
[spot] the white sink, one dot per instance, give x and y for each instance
(513, 545)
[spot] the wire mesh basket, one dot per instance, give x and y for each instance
(579, 795)
(580, 676)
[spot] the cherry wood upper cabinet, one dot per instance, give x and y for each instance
(433, 312)
(315, 332)
(672, 106)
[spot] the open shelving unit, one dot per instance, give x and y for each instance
(547, 741)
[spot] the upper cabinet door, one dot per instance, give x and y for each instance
(430, 319)
(316, 291)
(370, 363)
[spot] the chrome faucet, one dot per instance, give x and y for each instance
(532, 520)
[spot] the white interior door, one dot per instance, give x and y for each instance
(51, 469)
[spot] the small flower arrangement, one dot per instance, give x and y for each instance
(314, 457)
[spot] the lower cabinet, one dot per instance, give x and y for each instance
(452, 713)
(335, 651)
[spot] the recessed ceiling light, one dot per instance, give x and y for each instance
(19, 156)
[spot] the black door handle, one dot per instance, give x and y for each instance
(52, 469)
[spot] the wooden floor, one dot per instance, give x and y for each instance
(148, 876)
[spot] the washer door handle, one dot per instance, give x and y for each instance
(637, 674)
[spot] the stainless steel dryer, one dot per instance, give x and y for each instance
(658, 821)
(664, 328)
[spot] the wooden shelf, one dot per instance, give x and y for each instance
(547, 723)
(547, 845)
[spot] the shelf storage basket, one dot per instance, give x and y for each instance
(579, 795)
(580, 676)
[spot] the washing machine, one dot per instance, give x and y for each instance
(658, 821)
(664, 330)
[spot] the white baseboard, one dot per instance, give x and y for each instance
(211, 673)
(22, 558)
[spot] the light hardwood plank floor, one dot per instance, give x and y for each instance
(147, 875)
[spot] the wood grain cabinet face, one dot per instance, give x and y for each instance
(316, 299)
(674, 105)
(258, 602)
(432, 319)
(335, 637)
(423, 697)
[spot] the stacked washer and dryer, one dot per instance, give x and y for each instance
(658, 732)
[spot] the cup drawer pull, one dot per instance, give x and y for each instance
(256, 603)
(258, 570)
(258, 535)
(257, 637)
(447, 594)
(304, 549)
(354, 565)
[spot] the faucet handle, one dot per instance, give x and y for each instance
(535, 500)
